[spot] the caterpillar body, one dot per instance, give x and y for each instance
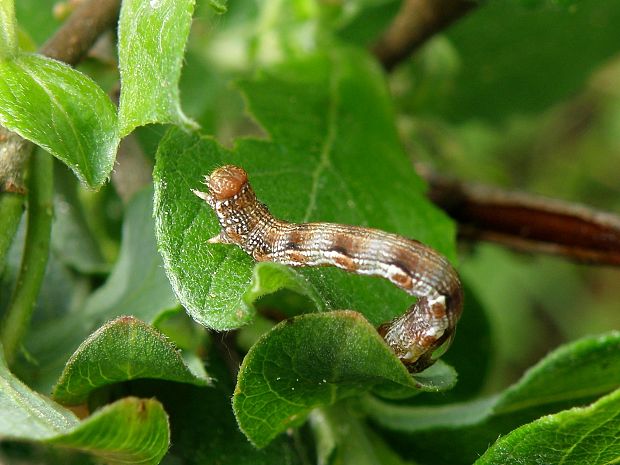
(412, 266)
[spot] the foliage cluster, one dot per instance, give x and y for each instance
(125, 358)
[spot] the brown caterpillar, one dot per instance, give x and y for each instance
(415, 268)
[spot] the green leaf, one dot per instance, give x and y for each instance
(588, 367)
(315, 360)
(26, 414)
(571, 375)
(328, 159)
(271, 277)
(128, 431)
(61, 110)
(72, 239)
(151, 42)
(137, 286)
(574, 437)
(139, 268)
(121, 350)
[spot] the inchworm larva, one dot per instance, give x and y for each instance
(415, 268)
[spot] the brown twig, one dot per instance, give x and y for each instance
(14, 154)
(414, 24)
(78, 34)
(527, 222)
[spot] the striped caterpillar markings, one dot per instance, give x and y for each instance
(415, 268)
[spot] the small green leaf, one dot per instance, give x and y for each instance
(573, 437)
(137, 286)
(315, 360)
(121, 350)
(570, 376)
(329, 159)
(61, 110)
(129, 431)
(151, 42)
(271, 277)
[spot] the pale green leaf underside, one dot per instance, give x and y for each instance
(343, 437)
(25, 414)
(61, 110)
(151, 43)
(574, 372)
(574, 437)
(121, 350)
(573, 375)
(126, 432)
(315, 360)
(334, 155)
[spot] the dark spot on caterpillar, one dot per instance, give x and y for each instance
(338, 249)
(343, 244)
(294, 240)
(404, 269)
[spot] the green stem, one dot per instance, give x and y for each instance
(11, 209)
(34, 259)
(8, 30)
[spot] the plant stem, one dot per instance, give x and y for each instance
(11, 209)
(34, 259)
(416, 22)
(8, 33)
(78, 33)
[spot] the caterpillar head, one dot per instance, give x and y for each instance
(231, 197)
(223, 184)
